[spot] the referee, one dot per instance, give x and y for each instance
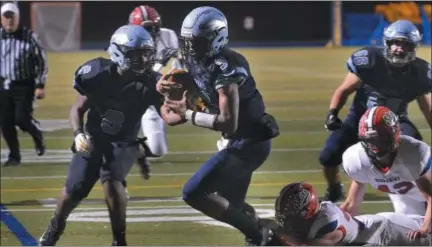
(23, 71)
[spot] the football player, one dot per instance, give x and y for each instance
(115, 93)
(396, 164)
(391, 76)
(235, 107)
(302, 220)
(167, 47)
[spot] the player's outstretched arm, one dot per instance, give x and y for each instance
(355, 196)
(424, 183)
(425, 104)
(350, 84)
(76, 114)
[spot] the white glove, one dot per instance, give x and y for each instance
(222, 143)
(82, 143)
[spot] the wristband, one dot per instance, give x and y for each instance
(201, 119)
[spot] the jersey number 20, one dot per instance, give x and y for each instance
(399, 188)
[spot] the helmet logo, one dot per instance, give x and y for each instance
(390, 119)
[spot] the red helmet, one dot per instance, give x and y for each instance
(296, 201)
(379, 133)
(147, 17)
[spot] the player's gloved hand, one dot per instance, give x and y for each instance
(332, 122)
(222, 143)
(82, 143)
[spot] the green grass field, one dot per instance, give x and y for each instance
(297, 85)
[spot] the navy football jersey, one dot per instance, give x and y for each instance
(227, 68)
(116, 105)
(385, 85)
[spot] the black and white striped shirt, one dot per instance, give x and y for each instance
(22, 58)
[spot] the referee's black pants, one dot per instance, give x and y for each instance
(16, 109)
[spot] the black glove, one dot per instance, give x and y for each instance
(167, 54)
(332, 122)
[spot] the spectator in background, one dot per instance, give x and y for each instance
(23, 71)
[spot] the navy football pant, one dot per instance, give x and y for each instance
(341, 139)
(229, 171)
(110, 163)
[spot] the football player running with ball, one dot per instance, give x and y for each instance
(115, 93)
(235, 107)
(390, 76)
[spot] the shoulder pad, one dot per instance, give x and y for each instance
(87, 73)
(350, 163)
(231, 68)
(362, 59)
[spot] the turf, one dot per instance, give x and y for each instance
(296, 84)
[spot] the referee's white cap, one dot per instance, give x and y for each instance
(9, 7)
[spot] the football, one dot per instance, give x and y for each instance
(184, 80)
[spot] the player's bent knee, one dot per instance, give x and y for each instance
(78, 191)
(328, 158)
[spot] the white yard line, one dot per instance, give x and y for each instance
(182, 135)
(146, 207)
(64, 155)
(159, 174)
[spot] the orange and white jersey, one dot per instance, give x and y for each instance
(412, 161)
(331, 218)
(167, 39)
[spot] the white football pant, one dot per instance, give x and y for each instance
(153, 128)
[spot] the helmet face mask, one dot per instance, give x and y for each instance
(379, 135)
(379, 148)
(140, 60)
(195, 48)
(400, 51)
